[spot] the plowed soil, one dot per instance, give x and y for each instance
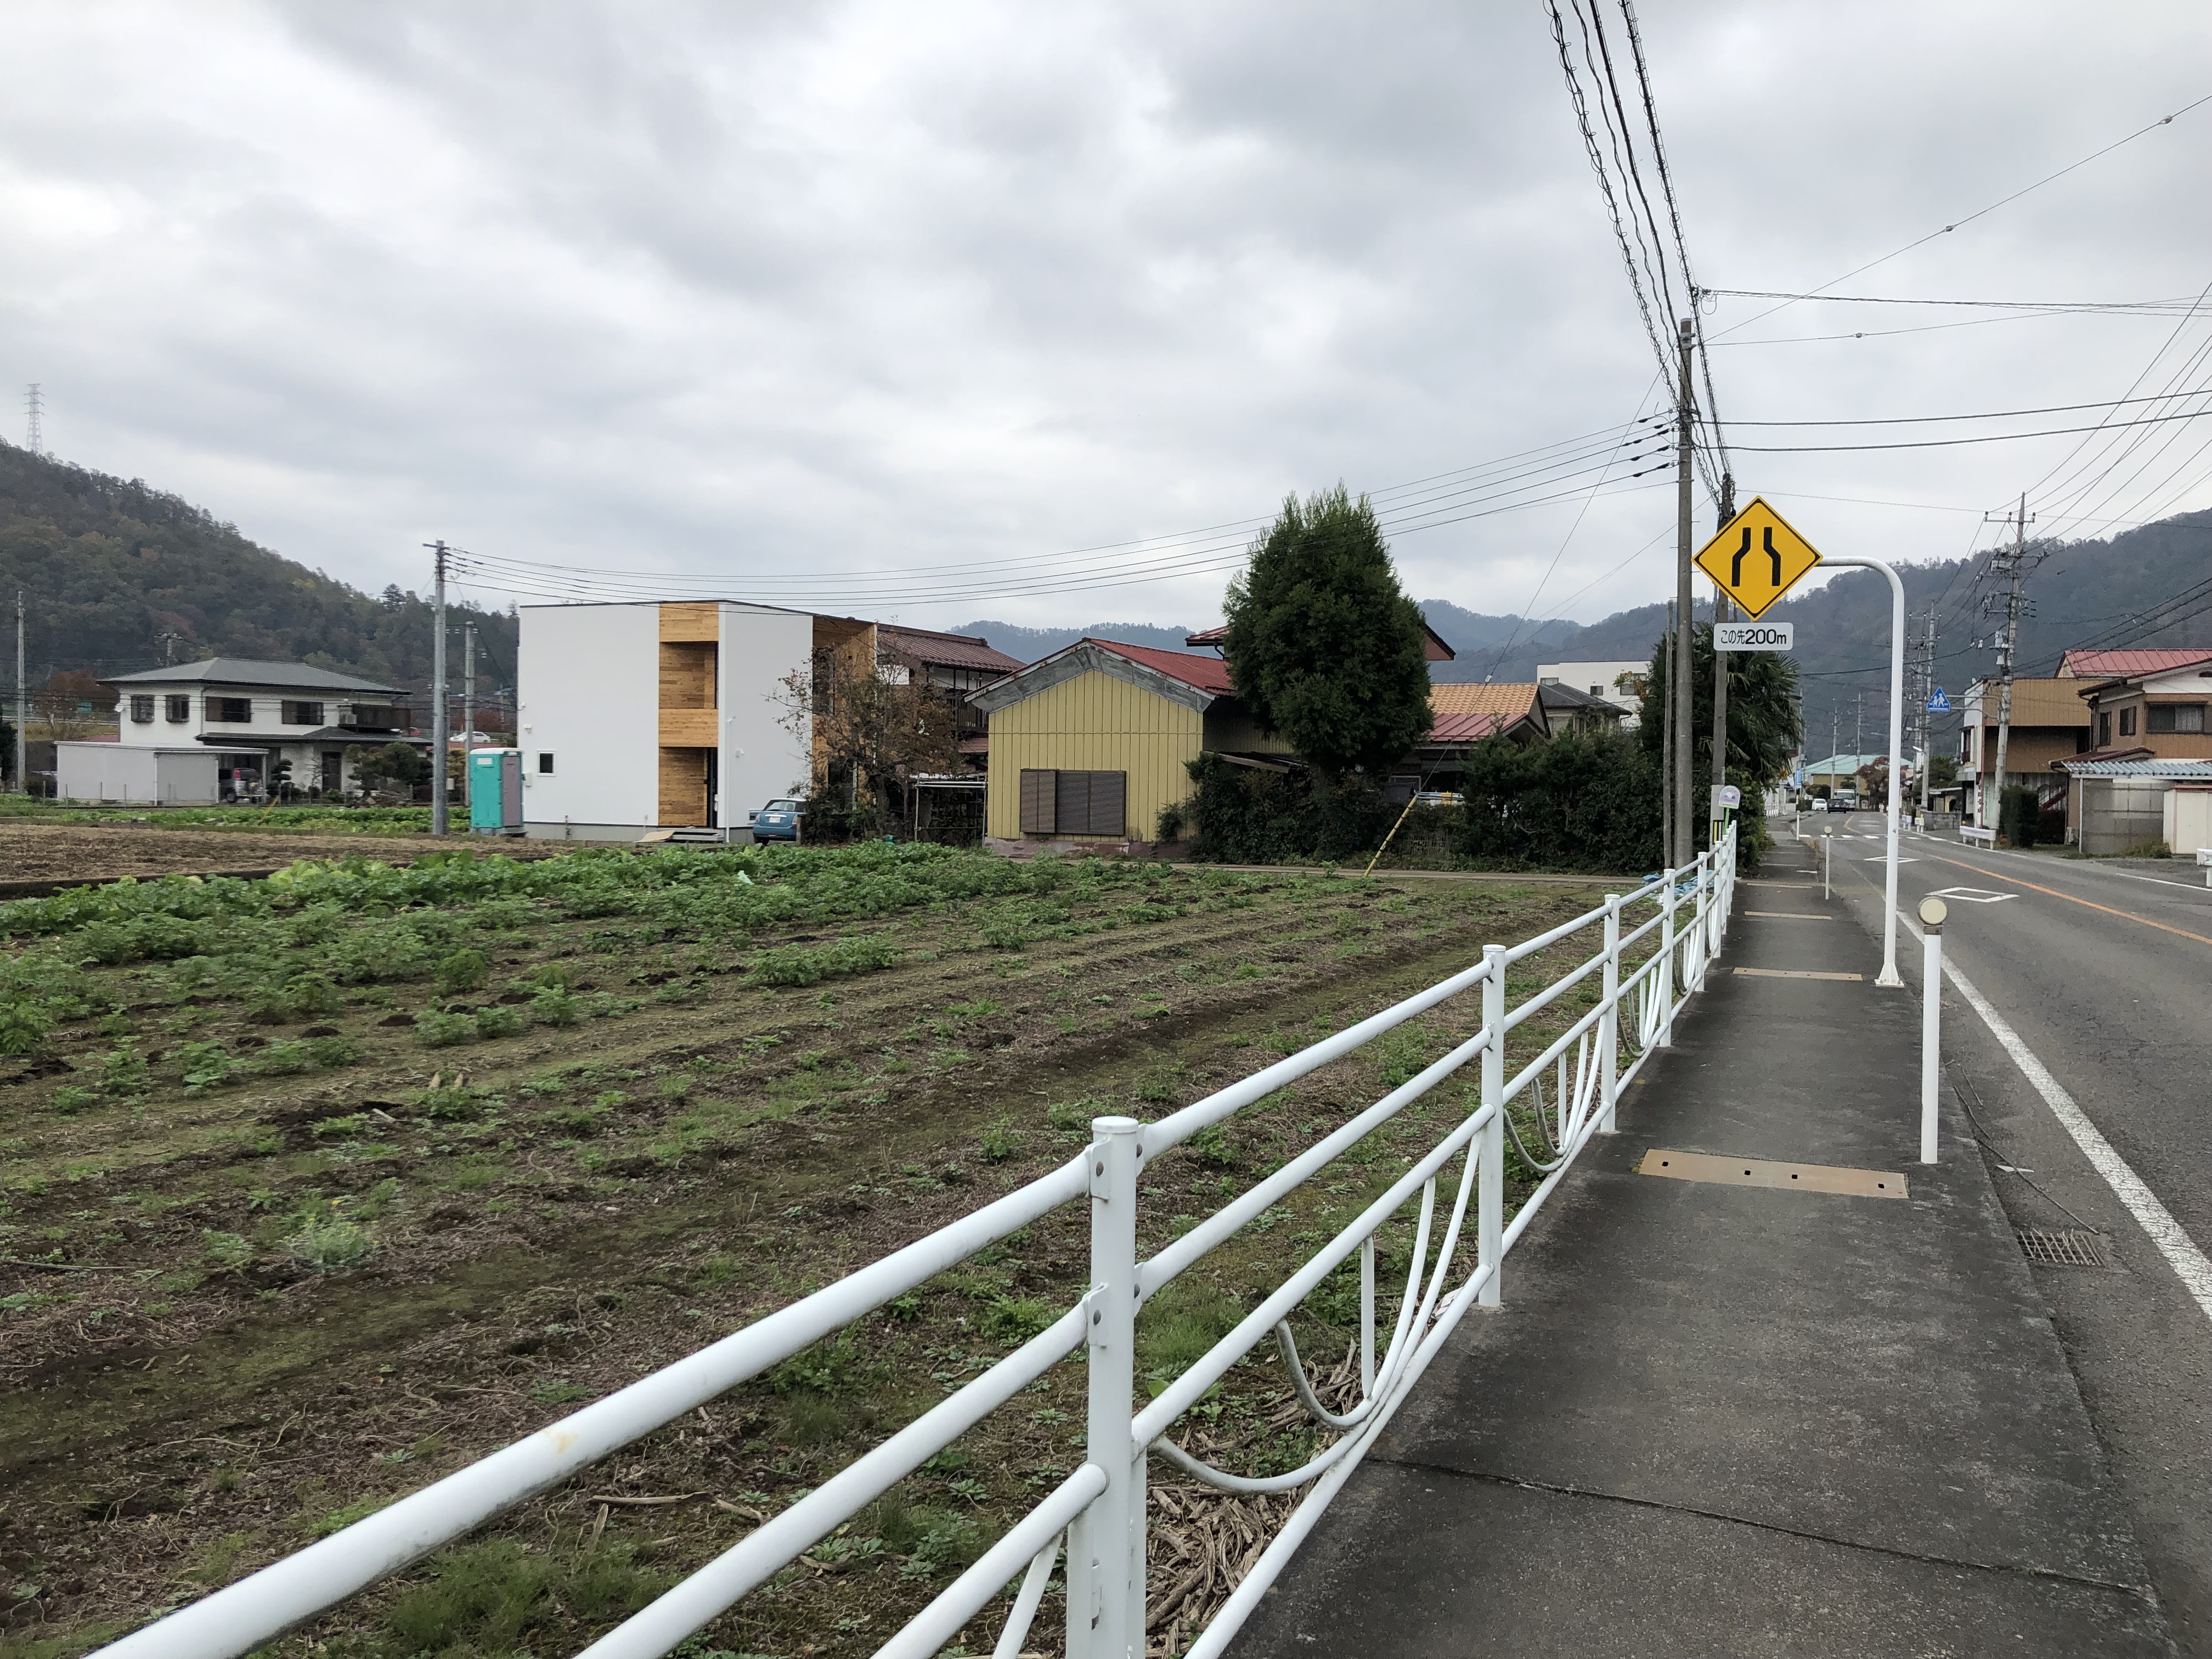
(195, 1380)
(34, 852)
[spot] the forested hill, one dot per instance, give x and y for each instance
(2120, 591)
(108, 566)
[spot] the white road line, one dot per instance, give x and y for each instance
(2180, 1250)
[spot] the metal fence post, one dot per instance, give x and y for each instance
(1932, 912)
(1106, 1544)
(1665, 975)
(1608, 1024)
(1490, 1173)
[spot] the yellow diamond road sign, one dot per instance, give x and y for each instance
(1757, 558)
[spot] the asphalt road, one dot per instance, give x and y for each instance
(2104, 968)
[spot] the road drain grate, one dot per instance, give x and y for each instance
(2063, 1248)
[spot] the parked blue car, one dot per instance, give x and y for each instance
(780, 820)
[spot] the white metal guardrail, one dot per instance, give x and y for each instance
(1097, 1513)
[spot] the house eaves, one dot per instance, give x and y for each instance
(1087, 656)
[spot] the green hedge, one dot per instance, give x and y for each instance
(1574, 803)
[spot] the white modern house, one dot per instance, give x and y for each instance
(1598, 679)
(636, 718)
(198, 732)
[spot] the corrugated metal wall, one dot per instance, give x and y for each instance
(1093, 723)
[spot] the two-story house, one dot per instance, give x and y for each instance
(2048, 724)
(198, 732)
(2144, 704)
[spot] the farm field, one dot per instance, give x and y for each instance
(315, 1187)
(43, 849)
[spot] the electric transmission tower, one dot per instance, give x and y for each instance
(34, 437)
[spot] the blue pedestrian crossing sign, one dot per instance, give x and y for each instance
(1939, 704)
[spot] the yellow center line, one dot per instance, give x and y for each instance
(2124, 915)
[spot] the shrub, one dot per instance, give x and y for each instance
(555, 1007)
(284, 1060)
(70, 1100)
(221, 1249)
(436, 1028)
(24, 1026)
(1000, 1143)
(327, 1243)
(464, 970)
(1239, 815)
(205, 1065)
(498, 1022)
(333, 1051)
(1574, 803)
(310, 996)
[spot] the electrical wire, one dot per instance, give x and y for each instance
(1984, 438)
(2003, 201)
(1988, 415)
(2183, 305)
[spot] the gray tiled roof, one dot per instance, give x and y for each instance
(242, 671)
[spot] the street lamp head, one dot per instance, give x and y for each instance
(1932, 912)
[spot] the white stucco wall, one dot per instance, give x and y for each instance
(760, 758)
(588, 680)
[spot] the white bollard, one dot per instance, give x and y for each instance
(1932, 912)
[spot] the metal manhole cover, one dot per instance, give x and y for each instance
(2063, 1248)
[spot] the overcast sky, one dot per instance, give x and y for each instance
(770, 293)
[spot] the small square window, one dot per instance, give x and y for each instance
(142, 710)
(178, 710)
(231, 711)
(544, 764)
(2127, 722)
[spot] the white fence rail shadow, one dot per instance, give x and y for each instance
(1091, 1528)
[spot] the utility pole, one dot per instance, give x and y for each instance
(1684, 845)
(22, 701)
(438, 738)
(2013, 565)
(1721, 609)
(1666, 744)
(1859, 728)
(1927, 720)
(1835, 715)
(468, 708)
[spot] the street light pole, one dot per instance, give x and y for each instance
(1685, 845)
(1889, 975)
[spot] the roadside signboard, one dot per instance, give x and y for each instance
(1755, 636)
(1939, 704)
(1726, 795)
(1757, 558)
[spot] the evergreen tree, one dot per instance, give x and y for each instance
(1323, 646)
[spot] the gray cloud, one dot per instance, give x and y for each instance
(769, 291)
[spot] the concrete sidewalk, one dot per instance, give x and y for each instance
(1716, 1420)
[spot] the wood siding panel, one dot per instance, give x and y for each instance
(1093, 723)
(683, 787)
(687, 675)
(688, 728)
(696, 623)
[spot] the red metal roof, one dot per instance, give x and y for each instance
(1208, 674)
(923, 646)
(2127, 664)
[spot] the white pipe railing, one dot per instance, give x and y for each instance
(1098, 1511)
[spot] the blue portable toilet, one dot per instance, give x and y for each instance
(495, 792)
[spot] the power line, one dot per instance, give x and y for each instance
(1986, 415)
(2002, 201)
(1984, 438)
(2182, 306)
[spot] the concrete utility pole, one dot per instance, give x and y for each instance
(468, 705)
(2012, 564)
(1666, 744)
(1684, 845)
(438, 736)
(1926, 721)
(1721, 609)
(22, 701)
